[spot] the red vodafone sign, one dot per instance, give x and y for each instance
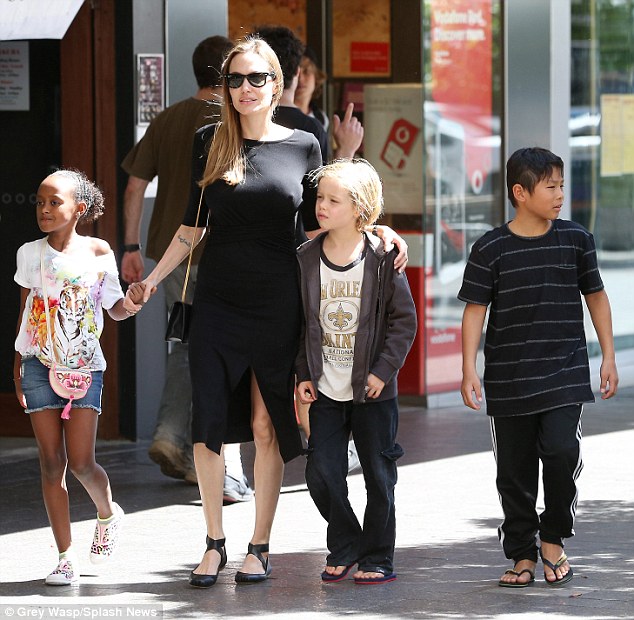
(461, 53)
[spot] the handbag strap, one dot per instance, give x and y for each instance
(191, 248)
(45, 295)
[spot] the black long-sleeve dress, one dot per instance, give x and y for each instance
(246, 311)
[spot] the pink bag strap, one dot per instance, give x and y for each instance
(45, 295)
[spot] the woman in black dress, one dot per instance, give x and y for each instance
(246, 311)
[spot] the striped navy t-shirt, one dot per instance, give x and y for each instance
(535, 348)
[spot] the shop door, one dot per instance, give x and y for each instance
(59, 128)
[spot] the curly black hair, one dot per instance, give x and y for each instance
(85, 191)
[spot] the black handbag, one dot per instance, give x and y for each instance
(178, 322)
(181, 312)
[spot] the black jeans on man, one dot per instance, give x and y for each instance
(373, 426)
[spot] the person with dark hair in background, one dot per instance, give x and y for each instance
(165, 151)
(290, 50)
(310, 87)
(347, 133)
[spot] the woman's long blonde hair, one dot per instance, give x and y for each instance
(226, 159)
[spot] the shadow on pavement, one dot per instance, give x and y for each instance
(456, 580)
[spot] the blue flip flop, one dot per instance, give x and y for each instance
(385, 578)
(331, 578)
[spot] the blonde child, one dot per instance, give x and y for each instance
(81, 279)
(360, 324)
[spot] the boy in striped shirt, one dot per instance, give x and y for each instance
(532, 271)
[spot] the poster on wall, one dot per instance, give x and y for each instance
(14, 75)
(617, 135)
(150, 85)
(361, 38)
(393, 142)
(460, 155)
(462, 87)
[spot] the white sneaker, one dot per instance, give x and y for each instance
(353, 457)
(235, 490)
(106, 536)
(67, 571)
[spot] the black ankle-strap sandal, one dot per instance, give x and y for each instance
(257, 551)
(206, 581)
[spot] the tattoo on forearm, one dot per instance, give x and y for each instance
(185, 241)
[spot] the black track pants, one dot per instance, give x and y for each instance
(519, 443)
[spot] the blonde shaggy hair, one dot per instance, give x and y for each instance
(361, 181)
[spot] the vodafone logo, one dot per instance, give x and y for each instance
(443, 338)
(402, 135)
(477, 181)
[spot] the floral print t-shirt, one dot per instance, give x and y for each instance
(78, 288)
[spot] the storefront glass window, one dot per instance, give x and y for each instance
(462, 164)
(602, 147)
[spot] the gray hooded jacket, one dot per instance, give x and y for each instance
(387, 320)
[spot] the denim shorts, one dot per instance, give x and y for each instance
(40, 395)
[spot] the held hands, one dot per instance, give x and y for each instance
(609, 379)
(374, 387)
(136, 296)
(470, 386)
(391, 239)
(306, 392)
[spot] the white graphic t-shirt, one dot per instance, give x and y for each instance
(78, 288)
(339, 318)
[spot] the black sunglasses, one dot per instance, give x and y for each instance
(234, 80)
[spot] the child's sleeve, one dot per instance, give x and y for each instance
(111, 291)
(301, 361)
(21, 276)
(401, 328)
(477, 282)
(589, 278)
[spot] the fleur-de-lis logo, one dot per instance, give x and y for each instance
(340, 318)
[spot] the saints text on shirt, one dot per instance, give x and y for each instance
(340, 288)
(339, 310)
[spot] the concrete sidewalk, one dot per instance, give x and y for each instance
(448, 558)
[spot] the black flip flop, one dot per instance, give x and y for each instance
(553, 567)
(512, 571)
